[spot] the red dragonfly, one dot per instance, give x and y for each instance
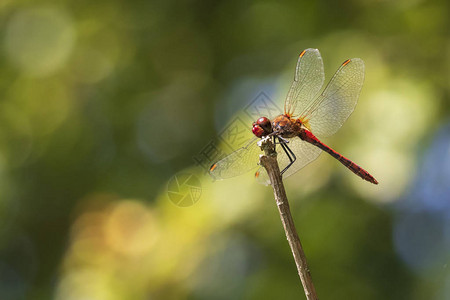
(306, 117)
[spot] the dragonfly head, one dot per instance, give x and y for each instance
(262, 127)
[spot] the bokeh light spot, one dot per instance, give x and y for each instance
(39, 40)
(130, 228)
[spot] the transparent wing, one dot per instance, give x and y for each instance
(308, 80)
(238, 162)
(336, 103)
(305, 153)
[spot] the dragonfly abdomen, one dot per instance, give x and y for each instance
(307, 136)
(356, 169)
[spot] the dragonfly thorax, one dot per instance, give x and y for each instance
(286, 127)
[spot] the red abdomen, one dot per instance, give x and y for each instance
(307, 136)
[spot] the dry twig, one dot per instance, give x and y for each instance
(269, 162)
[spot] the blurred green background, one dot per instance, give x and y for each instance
(103, 102)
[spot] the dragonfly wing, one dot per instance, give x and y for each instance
(304, 152)
(308, 80)
(337, 101)
(238, 162)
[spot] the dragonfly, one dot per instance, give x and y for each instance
(308, 117)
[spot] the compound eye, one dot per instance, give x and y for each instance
(265, 124)
(258, 130)
(263, 121)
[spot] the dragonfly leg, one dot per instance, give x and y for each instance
(290, 155)
(282, 140)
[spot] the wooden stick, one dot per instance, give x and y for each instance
(270, 163)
